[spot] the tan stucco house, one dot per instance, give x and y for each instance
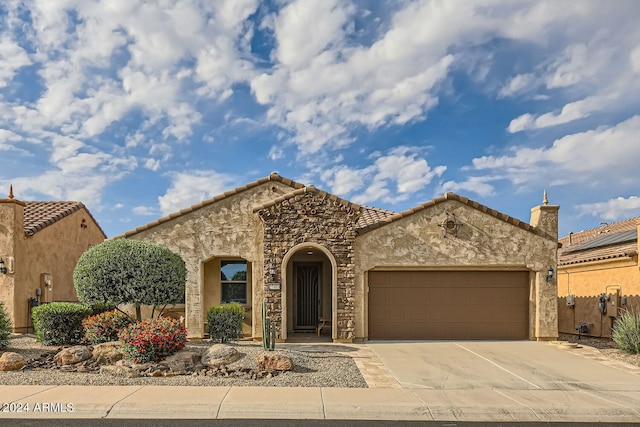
(40, 244)
(598, 275)
(450, 268)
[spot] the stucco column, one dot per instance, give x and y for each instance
(193, 300)
(545, 219)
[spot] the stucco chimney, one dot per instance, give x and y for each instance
(545, 218)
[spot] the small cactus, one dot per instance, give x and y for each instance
(268, 330)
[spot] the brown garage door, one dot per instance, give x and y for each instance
(448, 305)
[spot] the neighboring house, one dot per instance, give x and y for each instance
(598, 271)
(40, 243)
(447, 269)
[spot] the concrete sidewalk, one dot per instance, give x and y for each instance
(502, 382)
(160, 402)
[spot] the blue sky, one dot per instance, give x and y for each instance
(139, 109)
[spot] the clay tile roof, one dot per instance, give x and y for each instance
(307, 189)
(272, 177)
(371, 215)
(449, 196)
(38, 215)
(615, 240)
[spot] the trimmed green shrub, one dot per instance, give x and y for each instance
(104, 327)
(626, 331)
(59, 323)
(124, 271)
(152, 340)
(5, 327)
(100, 307)
(225, 322)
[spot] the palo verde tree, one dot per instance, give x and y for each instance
(124, 271)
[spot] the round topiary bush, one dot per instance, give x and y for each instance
(104, 327)
(59, 323)
(5, 327)
(124, 271)
(152, 340)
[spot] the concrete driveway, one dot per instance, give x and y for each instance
(499, 365)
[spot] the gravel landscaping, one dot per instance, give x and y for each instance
(606, 346)
(311, 369)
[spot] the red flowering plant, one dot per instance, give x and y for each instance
(105, 326)
(152, 340)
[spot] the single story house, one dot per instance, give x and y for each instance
(40, 244)
(450, 268)
(598, 275)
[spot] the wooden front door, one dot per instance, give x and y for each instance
(306, 296)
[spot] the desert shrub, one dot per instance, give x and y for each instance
(152, 340)
(626, 331)
(225, 322)
(104, 327)
(124, 271)
(59, 323)
(5, 327)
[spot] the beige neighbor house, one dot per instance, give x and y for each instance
(40, 243)
(598, 276)
(447, 269)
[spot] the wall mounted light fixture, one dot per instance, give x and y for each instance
(3, 269)
(550, 274)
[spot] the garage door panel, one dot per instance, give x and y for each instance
(448, 305)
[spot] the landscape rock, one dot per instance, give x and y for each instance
(72, 355)
(220, 354)
(184, 361)
(119, 371)
(11, 361)
(107, 353)
(274, 362)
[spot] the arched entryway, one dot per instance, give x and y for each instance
(309, 291)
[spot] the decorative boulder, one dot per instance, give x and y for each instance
(11, 361)
(274, 362)
(183, 361)
(107, 353)
(72, 355)
(220, 354)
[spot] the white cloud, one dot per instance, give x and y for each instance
(595, 157)
(190, 188)
(12, 57)
(144, 210)
(613, 209)
(475, 184)
(570, 112)
(517, 85)
(276, 153)
(391, 178)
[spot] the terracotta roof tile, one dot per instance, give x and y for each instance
(449, 196)
(570, 252)
(370, 215)
(38, 215)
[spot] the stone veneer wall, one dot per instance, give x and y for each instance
(312, 217)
